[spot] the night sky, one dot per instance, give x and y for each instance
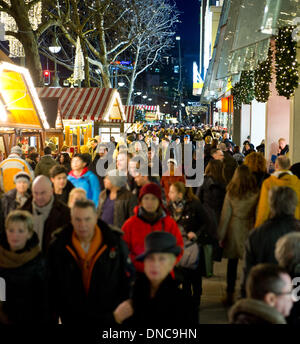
(189, 31)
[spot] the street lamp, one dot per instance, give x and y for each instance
(55, 49)
(179, 82)
(121, 83)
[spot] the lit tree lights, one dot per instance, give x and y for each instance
(262, 79)
(243, 91)
(286, 65)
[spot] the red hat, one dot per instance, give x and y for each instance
(150, 188)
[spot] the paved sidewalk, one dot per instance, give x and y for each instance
(212, 310)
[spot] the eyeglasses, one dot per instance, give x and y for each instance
(290, 293)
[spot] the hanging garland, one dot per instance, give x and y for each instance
(262, 79)
(243, 91)
(286, 65)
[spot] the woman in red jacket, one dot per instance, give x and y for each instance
(149, 216)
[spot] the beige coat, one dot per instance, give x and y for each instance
(237, 219)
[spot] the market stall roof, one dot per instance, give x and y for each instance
(99, 104)
(129, 113)
(20, 106)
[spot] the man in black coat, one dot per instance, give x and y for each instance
(89, 270)
(260, 246)
(48, 212)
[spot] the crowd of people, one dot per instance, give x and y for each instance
(122, 233)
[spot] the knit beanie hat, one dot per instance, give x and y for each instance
(151, 188)
(116, 179)
(22, 176)
(16, 150)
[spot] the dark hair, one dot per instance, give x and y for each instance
(66, 156)
(84, 205)
(56, 170)
(263, 279)
(33, 156)
(283, 201)
(236, 149)
(242, 183)
(215, 169)
(187, 192)
(47, 150)
(84, 157)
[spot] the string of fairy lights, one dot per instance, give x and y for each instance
(256, 84)
(263, 78)
(35, 18)
(287, 76)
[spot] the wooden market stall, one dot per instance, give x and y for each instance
(87, 112)
(21, 112)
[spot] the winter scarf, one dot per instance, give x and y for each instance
(40, 216)
(11, 260)
(151, 218)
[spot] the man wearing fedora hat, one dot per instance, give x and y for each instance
(11, 166)
(156, 299)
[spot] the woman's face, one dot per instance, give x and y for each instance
(22, 187)
(61, 159)
(157, 266)
(174, 195)
(150, 203)
(17, 235)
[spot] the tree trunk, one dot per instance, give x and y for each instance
(29, 41)
(32, 58)
(87, 81)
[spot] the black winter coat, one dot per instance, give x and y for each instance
(261, 242)
(169, 308)
(194, 219)
(9, 201)
(58, 217)
(64, 197)
(26, 289)
(211, 195)
(109, 285)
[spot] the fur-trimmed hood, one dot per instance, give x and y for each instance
(254, 311)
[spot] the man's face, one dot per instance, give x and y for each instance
(139, 179)
(77, 164)
(122, 162)
(218, 155)
(42, 194)
(284, 301)
(102, 152)
(132, 168)
(84, 221)
(282, 144)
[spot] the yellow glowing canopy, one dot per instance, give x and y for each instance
(20, 106)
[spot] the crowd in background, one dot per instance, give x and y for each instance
(121, 233)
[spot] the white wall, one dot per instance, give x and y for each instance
(258, 122)
(245, 124)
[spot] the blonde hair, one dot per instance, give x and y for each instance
(74, 192)
(20, 216)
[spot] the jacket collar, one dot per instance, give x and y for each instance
(109, 234)
(84, 171)
(257, 308)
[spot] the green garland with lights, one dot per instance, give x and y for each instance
(263, 78)
(139, 116)
(243, 91)
(286, 65)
